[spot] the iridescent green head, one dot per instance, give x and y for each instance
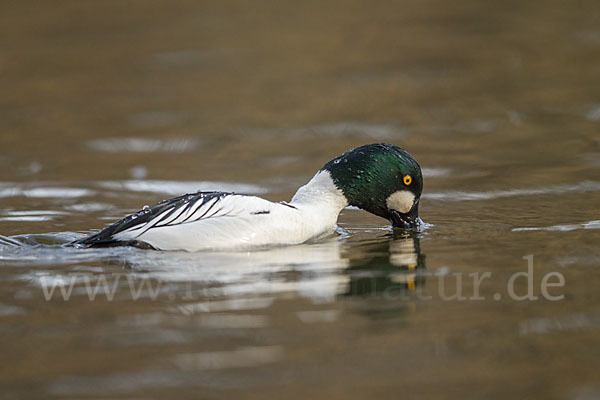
(382, 179)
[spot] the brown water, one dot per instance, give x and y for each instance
(107, 106)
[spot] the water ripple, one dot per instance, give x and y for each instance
(9, 189)
(31, 215)
(244, 357)
(143, 145)
(179, 187)
(563, 228)
(581, 187)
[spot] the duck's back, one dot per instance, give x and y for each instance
(207, 220)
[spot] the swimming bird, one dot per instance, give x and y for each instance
(380, 178)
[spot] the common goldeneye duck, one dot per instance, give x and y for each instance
(382, 179)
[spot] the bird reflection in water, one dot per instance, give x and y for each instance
(391, 269)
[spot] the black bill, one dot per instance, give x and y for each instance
(407, 220)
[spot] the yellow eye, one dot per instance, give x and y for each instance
(407, 180)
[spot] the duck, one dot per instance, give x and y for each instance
(380, 178)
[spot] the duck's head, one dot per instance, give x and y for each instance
(382, 179)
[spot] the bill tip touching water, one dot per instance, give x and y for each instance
(380, 178)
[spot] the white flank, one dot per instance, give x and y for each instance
(237, 221)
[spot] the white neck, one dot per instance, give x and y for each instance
(321, 196)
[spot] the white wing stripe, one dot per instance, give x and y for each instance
(148, 224)
(213, 213)
(184, 215)
(178, 216)
(205, 207)
(197, 205)
(176, 213)
(197, 209)
(206, 210)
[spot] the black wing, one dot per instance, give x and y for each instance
(178, 210)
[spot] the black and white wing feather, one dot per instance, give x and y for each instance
(179, 210)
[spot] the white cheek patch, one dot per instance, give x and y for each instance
(401, 201)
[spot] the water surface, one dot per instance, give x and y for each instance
(109, 106)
